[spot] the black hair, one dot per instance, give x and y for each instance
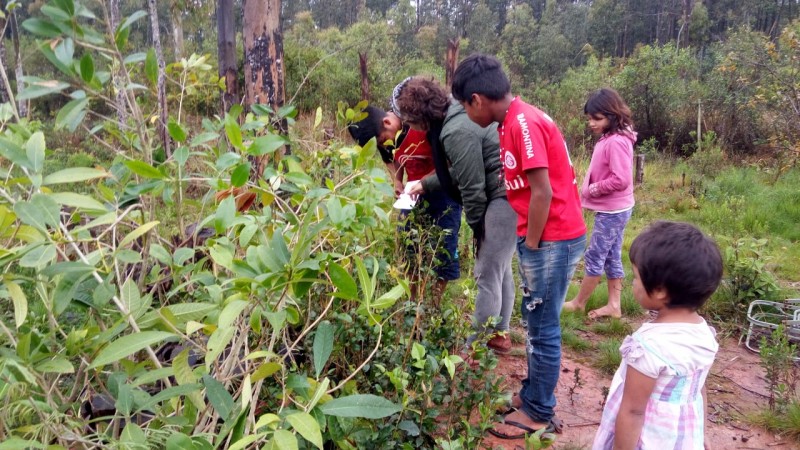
(609, 103)
(680, 259)
(480, 74)
(369, 127)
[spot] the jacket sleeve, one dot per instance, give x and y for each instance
(464, 149)
(620, 169)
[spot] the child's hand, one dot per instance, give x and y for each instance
(398, 188)
(416, 190)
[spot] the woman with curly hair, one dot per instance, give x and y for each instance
(468, 168)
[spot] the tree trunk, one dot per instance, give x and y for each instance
(161, 85)
(450, 61)
(120, 97)
(263, 59)
(362, 64)
(226, 49)
(263, 53)
(3, 92)
(22, 105)
(177, 28)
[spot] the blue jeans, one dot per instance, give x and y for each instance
(546, 273)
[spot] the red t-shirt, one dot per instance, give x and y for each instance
(414, 155)
(529, 139)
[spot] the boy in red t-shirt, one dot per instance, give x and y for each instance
(542, 189)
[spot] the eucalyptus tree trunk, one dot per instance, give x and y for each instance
(22, 105)
(120, 98)
(175, 12)
(363, 69)
(263, 57)
(3, 92)
(226, 49)
(451, 61)
(161, 84)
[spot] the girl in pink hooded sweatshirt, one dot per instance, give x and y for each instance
(607, 190)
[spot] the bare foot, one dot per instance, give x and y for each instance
(572, 306)
(507, 429)
(605, 311)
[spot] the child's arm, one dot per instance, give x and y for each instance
(396, 172)
(630, 418)
(705, 413)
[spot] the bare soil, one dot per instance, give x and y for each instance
(736, 388)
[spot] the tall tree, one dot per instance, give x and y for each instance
(226, 50)
(22, 105)
(161, 82)
(119, 77)
(263, 53)
(176, 8)
(3, 91)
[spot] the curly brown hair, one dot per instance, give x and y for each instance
(422, 101)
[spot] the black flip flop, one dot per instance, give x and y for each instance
(550, 428)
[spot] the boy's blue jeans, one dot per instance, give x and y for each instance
(546, 273)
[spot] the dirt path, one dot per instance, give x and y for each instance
(735, 388)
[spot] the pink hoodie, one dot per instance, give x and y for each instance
(608, 185)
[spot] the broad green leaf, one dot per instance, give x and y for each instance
(34, 149)
(282, 440)
(133, 434)
(222, 256)
(390, 298)
(15, 443)
(204, 138)
(79, 201)
(367, 406)
(131, 19)
(161, 254)
(246, 441)
(128, 345)
(181, 155)
(240, 174)
(299, 178)
(230, 313)
(151, 66)
(135, 234)
(14, 153)
(226, 212)
(322, 389)
(176, 131)
(144, 169)
(182, 312)
(43, 28)
(68, 6)
(233, 132)
(417, 351)
(342, 280)
(219, 397)
(219, 339)
(265, 370)
(20, 302)
(180, 441)
(266, 144)
(323, 345)
(72, 114)
(57, 364)
(40, 212)
(133, 301)
(318, 117)
(38, 256)
(36, 87)
(74, 175)
(247, 391)
(307, 426)
(87, 68)
(65, 50)
(266, 419)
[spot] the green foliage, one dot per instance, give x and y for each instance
(608, 356)
(778, 356)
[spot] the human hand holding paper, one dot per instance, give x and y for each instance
(410, 195)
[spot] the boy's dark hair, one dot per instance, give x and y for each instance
(609, 103)
(480, 74)
(369, 127)
(680, 259)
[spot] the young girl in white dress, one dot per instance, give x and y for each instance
(657, 397)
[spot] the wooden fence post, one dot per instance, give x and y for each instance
(640, 168)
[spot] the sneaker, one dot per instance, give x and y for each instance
(500, 343)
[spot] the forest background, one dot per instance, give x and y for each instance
(182, 271)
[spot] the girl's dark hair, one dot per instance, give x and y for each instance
(680, 259)
(422, 101)
(609, 103)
